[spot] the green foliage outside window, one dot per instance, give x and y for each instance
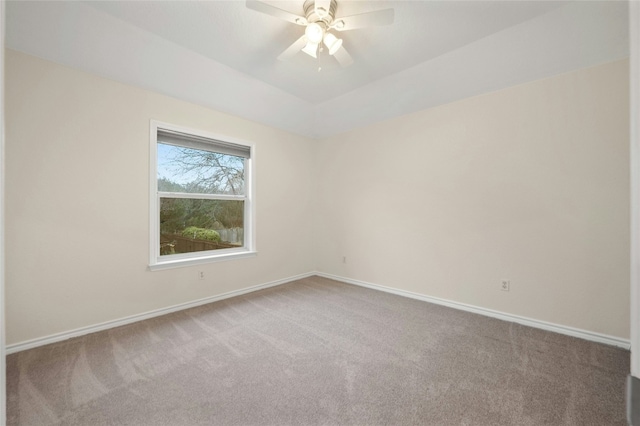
(201, 234)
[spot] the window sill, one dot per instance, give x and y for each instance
(179, 263)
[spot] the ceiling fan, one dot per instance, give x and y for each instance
(319, 19)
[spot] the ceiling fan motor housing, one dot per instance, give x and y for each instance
(319, 15)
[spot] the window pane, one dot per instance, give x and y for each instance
(192, 171)
(190, 225)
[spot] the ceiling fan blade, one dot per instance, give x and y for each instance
(278, 13)
(293, 49)
(369, 19)
(343, 57)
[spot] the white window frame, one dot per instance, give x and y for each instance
(157, 262)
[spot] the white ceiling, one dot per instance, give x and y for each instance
(223, 55)
(249, 41)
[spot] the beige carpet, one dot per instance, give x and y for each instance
(319, 352)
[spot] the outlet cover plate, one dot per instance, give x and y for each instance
(505, 285)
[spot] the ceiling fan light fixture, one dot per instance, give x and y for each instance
(311, 49)
(314, 33)
(332, 42)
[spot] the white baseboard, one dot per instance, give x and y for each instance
(58, 337)
(556, 328)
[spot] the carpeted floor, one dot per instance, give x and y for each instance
(319, 352)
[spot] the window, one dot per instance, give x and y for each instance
(201, 197)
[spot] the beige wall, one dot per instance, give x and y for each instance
(77, 201)
(529, 184)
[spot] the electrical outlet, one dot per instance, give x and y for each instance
(201, 275)
(505, 285)
(344, 259)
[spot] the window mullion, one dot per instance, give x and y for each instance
(200, 196)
